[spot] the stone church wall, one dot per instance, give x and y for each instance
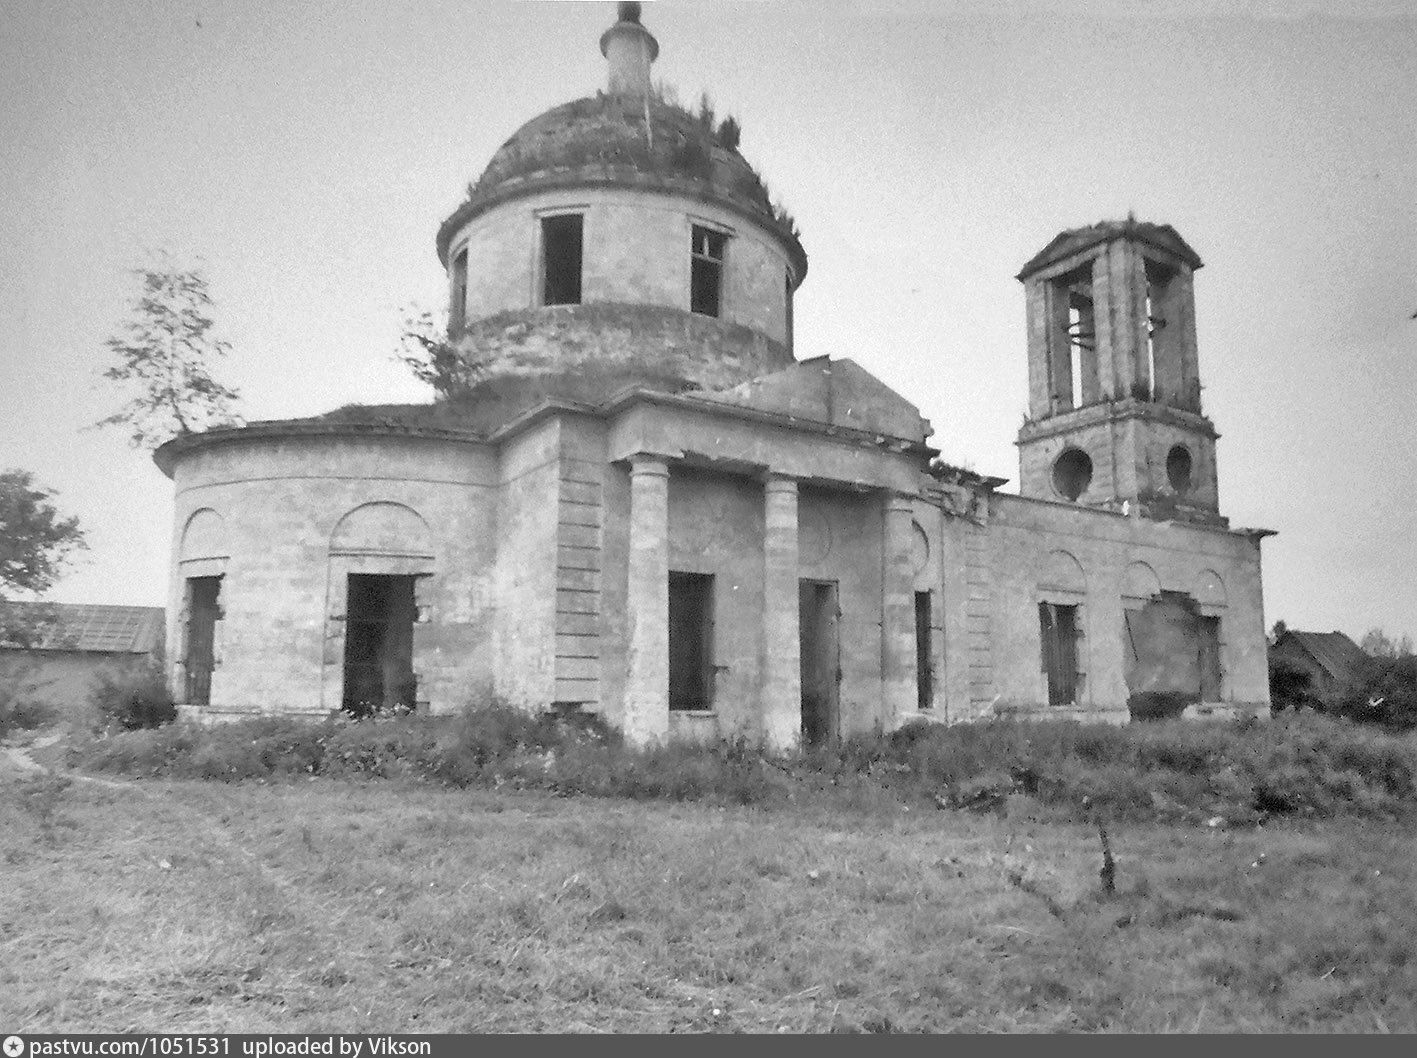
(1040, 552)
(267, 511)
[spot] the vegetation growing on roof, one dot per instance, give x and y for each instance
(652, 134)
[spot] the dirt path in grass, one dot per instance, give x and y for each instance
(303, 944)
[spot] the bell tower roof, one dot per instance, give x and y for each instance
(1077, 240)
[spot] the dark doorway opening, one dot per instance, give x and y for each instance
(1059, 627)
(203, 612)
(561, 247)
(378, 644)
(818, 618)
(690, 641)
(924, 660)
(1208, 629)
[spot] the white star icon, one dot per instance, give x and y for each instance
(14, 1047)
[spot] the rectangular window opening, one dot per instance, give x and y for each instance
(690, 641)
(203, 612)
(1071, 332)
(378, 644)
(1158, 288)
(561, 253)
(924, 662)
(457, 310)
(1082, 340)
(1059, 629)
(706, 279)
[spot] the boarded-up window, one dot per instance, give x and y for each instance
(561, 249)
(690, 641)
(706, 281)
(1173, 656)
(924, 662)
(203, 604)
(1059, 627)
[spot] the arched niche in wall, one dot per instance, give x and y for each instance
(203, 553)
(919, 548)
(204, 536)
(382, 528)
(1209, 592)
(1140, 585)
(1062, 574)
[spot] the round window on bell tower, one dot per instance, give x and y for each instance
(1178, 468)
(1072, 473)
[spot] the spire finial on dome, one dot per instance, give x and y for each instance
(630, 49)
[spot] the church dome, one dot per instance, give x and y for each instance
(629, 136)
(621, 140)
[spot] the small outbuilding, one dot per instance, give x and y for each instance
(1331, 661)
(69, 647)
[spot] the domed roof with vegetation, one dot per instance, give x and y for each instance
(628, 140)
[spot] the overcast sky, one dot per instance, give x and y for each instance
(306, 151)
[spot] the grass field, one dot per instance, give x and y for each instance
(363, 906)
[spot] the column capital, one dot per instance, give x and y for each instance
(649, 463)
(898, 501)
(775, 482)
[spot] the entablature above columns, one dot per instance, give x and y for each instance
(682, 434)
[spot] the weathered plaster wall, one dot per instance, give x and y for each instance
(636, 250)
(1128, 454)
(525, 578)
(840, 539)
(716, 527)
(1021, 549)
(589, 352)
(278, 501)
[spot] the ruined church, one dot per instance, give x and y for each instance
(631, 498)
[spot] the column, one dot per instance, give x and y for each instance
(647, 683)
(898, 690)
(780, 701)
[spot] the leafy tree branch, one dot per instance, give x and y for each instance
(165, 352)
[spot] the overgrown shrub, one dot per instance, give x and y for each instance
(1386, 694)
(133, 699)
(1307, 765)
(19, 712)
(19, 709)
(1290, 687)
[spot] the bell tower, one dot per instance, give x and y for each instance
(1114, 395)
